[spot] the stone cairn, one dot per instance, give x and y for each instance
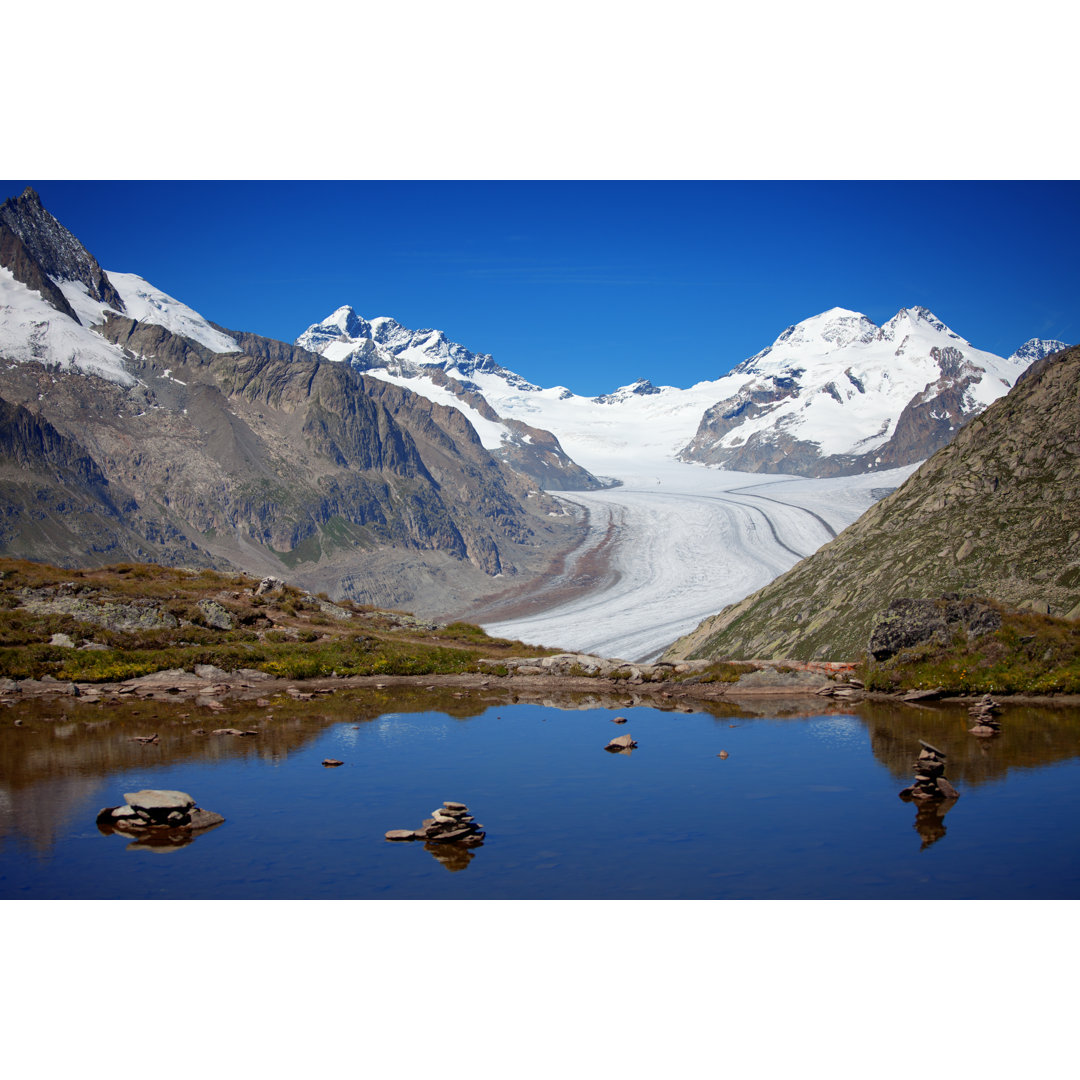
(157, 811)
(984, 719)
(930, 782)
(451, 823)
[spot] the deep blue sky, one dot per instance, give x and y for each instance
(594, 284)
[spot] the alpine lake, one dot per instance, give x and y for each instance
(803, 804)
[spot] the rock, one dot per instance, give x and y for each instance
(157, 812)
(62, 641)
(622, 742)
(907, 623)
(215, 615)
(923, 695)
(155, 800)
(618, 719)
(332, 762)
(268, 585)
(947, 789)
(930, 782)
(204, 819)
(722, 754)
(210, 673)
(451, 824)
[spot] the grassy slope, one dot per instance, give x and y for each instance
(288, 633)
(1032, 654)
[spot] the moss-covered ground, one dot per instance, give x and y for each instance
(286, 633)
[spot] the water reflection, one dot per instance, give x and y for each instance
(157, 841)
(670, 821)
(930, 820)
(454, 857)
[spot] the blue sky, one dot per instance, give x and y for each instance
(594, 284)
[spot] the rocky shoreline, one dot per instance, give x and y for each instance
(567, 672)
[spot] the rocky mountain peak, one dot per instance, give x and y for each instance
(908, 319)
(1036, 348)
(348, 322)
(58, 254)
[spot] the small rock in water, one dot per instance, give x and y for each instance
(623, 742)
(618, 719)
(331, 762)
(722, 754)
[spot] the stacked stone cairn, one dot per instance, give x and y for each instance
(451, 823)
(984, 719)
(930, 782)
(151, 809)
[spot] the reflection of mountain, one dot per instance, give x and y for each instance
(1031, 737)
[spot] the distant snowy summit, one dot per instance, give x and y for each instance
(833, 395)
(836, 394)
(384, 343)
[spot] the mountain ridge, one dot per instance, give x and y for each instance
(162, 437)
(993, 513)
(752, 419)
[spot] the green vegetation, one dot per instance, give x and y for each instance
(1029, 654)
(285, 633)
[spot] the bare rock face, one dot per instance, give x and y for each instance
(907, 623)
(54, 249)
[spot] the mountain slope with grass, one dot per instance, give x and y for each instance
(995, 513)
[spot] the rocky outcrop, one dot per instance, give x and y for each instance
(908, 623)
(995, 513)
(55, 251)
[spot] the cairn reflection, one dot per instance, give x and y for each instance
(932, 792)
(930, 821)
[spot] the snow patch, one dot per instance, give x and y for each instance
(148, 304)
(31, 329)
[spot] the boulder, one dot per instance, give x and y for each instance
(215, 615)
(906, 623)
(153, 799)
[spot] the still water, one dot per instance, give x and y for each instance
(803, 807)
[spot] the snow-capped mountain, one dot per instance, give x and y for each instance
(132, 428)
(837, 394)
(834, 394)
(53, 292)
(428, 363)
